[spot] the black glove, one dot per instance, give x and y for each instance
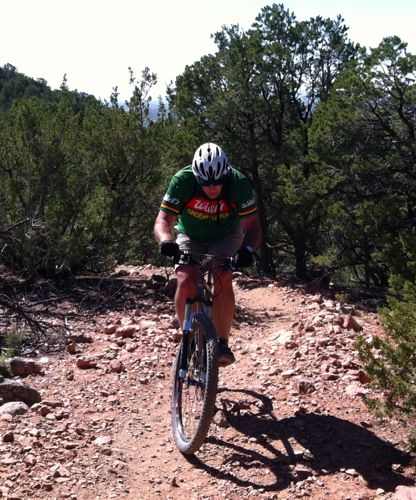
(244, 257)
(169, 248)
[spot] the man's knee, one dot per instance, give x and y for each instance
(224, 284)
(186, 277)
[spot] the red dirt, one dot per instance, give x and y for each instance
(291, 421)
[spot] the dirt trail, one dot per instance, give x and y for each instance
(290, 423)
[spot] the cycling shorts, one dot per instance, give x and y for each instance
(227, 246)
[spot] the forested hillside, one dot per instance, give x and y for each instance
(15, 86)
(323, 127)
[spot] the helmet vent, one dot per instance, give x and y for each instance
(210, 164)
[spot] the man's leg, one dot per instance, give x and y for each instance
(222, 314)
(186, 276)
(224, 303)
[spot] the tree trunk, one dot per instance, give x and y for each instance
(267, 264)
(301, 268)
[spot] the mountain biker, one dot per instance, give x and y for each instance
(215, 209)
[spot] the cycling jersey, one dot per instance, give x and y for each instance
(202, 218)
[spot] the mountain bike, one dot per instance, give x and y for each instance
(195, 369)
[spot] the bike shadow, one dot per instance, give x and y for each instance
(294, 448)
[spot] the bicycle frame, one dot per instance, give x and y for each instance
(204, 297)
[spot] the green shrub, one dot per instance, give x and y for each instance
(391, 360)
(14, 340)
(11, 344)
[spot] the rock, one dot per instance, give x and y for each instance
(71, 348)
(80, 338)
(404, 493)
(170, 287)
(60, 472)
(146, 323)
(22, 367)
(85, 363)
(338, 320)
(16, 390)
(43, 410)
(351, 472)
(220, 419)
(126, 331)
(102, 441)
(355, 389)
(14, 408)
(30, 460)
(317, 321)
(318, 300)
(8, 437)
(158, 278)
(109, 329)
(174, 482)
(285, 338)
(304, 386)
(363, 377)
(116, 366)
(352, 324)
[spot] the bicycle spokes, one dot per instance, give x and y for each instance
(193, 385)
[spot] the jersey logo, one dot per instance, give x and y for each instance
(207, 206)
(249, 203)
(203, 209)
(170, 199)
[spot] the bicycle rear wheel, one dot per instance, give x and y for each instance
(193, 396)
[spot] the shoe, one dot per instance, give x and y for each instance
(225, 355)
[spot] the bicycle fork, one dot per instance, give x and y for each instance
(186, 327)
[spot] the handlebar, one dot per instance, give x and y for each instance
(206, 261)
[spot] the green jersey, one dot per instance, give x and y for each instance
(202, 218)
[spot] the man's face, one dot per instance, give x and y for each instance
(212, 191)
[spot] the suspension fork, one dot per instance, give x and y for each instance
(186, 327)
(204, 302)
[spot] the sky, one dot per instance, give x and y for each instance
(94, 42)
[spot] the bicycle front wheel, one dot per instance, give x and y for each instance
(194, 393)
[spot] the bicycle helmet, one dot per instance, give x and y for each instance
(210, 165)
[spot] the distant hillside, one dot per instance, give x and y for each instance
(154, 109)
(15, 86)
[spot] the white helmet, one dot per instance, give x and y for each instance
(210, 165)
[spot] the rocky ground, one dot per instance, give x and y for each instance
(290, 420)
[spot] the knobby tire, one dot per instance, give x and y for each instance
(189, 444)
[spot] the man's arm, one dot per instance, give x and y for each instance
(252, 231)
(163, 226)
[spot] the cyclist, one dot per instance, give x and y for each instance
(215, 209)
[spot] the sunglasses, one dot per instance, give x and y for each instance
(209, 182)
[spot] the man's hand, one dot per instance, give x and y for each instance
(244, 257)
(169, 248)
